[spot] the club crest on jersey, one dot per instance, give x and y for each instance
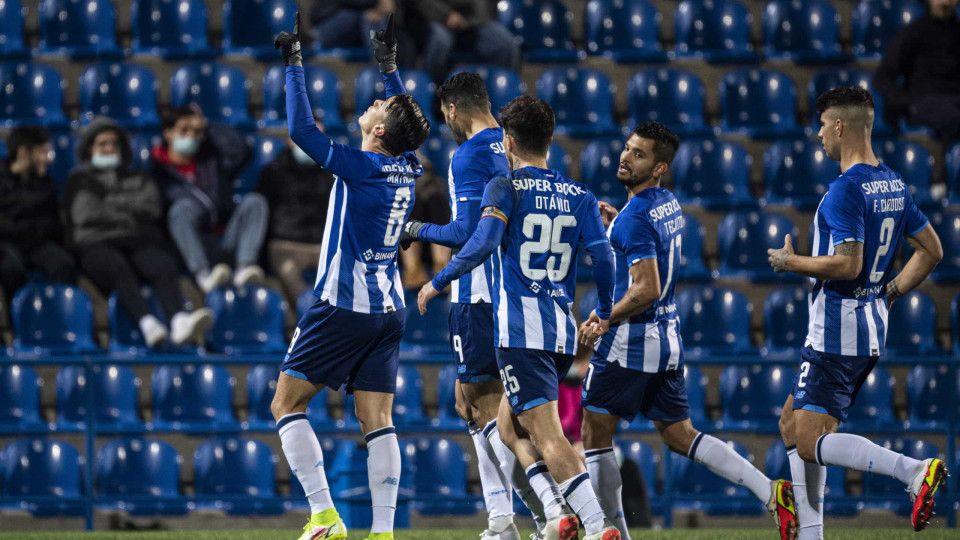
(535, 287)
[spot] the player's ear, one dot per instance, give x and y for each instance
(379, 130)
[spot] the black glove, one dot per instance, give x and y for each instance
(290, 43)
(384, 43)
(410, 233)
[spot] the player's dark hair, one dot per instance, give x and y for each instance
(406, 128)
(26, 137)
(530, 122)
(174, 114)
(845, 96)
(665, 142)
(465, 90)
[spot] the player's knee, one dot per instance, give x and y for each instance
(594, 435)
(678, 436)
(282, 406)
(463, 408)
(372, 420)
(786, 425)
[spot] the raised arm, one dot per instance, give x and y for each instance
(385, 50)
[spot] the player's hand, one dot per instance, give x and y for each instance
(410, 233)
(426, 293)
(384, 43)
(779, 257)
(607, 213)
(590, 331)
(289, 43)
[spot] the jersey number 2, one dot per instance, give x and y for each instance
(886, 238)
(399, 211)
(549, 240)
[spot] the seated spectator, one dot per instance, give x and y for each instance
(31, 235)
(348, 23)
(195, 167)
(919, 75)
(115, 217)
(297, 190)
(431, 205)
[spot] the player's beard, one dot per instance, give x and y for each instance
(459, 134)
(634, 179)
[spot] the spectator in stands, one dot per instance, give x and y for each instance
(31, 234)
(297, 190)
(195, 167)
(430, 206)
(115, 216)
(348, 23)
(919, 75)
(464, 26)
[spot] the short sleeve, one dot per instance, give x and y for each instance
(639, 238)
(499, 194)
(844, 209)
(913, 219)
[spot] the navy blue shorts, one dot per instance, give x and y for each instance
(333, 346)
(471, 341)
(828, 383)
(531, 377)
(610, 388)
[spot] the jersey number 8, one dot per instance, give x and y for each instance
(397, 214)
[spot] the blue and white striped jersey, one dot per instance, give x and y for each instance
(648, 227)
(871, 205)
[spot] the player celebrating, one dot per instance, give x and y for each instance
(540, 217)
(857, 234)
(352, 332)
(638, 365)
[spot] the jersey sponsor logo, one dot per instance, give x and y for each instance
(497, 148)
(882, 186)
(369, 255)
(396, 167)
(545, 185)
(664, 210)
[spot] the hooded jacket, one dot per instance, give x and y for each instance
(29, 209)
(108, 204)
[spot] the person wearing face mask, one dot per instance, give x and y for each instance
(195, 167)
(116, 224)
(31, 233)
(297, 190)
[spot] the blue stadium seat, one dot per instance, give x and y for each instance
(249, 26)
(947, 225)
(429, 333)
(265, 150)
(598, 170)
(64, 156)
(697, 384)
(785, 316)
(915, 165)
(503, 84)
(542, 27)
(717, 31)
(193, 398)
(758, 102)
(247, 320)
(12, 47)
(130, 469)
(912, 326)
(955, 322)
(673, 97)
(692, 268)
(829, 79)
(752, 396)
(715, 320)
(438, 152)
(368, 87)
(408, 399)
(953, 173)
(439, 494)
(349, 420)
(80, 30)
(19, 399)
(32, 94)
(317, 412)
(3, 149)
(39, 468)
(878, 484)
(875, 22)
(447, 417)
(558, 159)
(836, 502)
(220, 90)
(928, 396)
(52, 319)
(646, 459)
(238, 467)
(627, 31)
(171, 29)
(323, 91)
(743, 238)
(713, 174)
(804, 31)
(582, 100)
(305, 301)
(125, 335)
(261, 387)
(115, 392)
(142, 144)
(873, 408)
(797, 173)
(691, 478)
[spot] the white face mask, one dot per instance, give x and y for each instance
(187, 146)
(301, 157)
(105, 161)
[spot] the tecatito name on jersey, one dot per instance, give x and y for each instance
(871, 205)
(535, 272)
(648, 227)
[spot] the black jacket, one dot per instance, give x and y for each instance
(29, 210)
(298, 196)
(324, 9)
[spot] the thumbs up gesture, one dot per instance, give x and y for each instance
(779, 257)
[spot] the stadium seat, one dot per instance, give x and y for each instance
(408, 399)
(305, 301)
(558, 159)
(717, 31)
(915, 319)
(582, 100)
(928, 396)
(438, 152)
(503, 84)
(265, 150)
(171, 29)
(673, 97)
(804, 31)
(141, 476)
(368, 87)
(953, 173)
(125, 335)
(430, 332)
(249, 26)
(713, 174)
(447, 417)
(875, 22)
(785, 317)
(915, 165)
(873, 408)
(220, 90)
(752, 396)
(692, 268)
(19, 399)
(193, 398)
(759, 103)
(323, 91)
(878, 484)
(797, 173)
(247, 320)
(697, 383)
(955, 322)
(261, 387)
(743, 238)
(542, 27)
(39, 469)
(715, 320)
(947, 225)
(142, 144)
(80, 30)
(317, 413)
(64, 157)
(12, 47)
(115, 392)
(694, 479)
(349, 421)
(829, 79)
(599, 162)
(31, 94)
(646, 459)
(332, 447)
(626, 31)
(52, 319)
(836, 502)
(439, 494)
(238, 467)
(3, 149)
